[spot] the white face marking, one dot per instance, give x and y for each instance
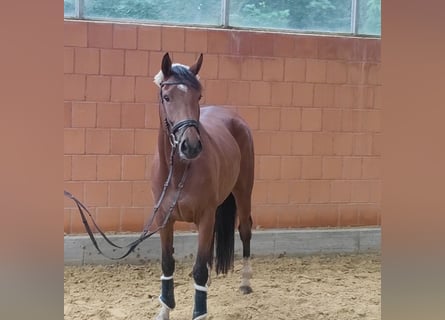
(182, 87)
(159, 77)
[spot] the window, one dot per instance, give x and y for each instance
(331, 16)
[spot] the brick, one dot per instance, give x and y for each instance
(241, 43)
(377, 144)
(122, 141)
(141, 196)
(343, 143)
(259, 193)
(290, 119)
(311, 119)
(319, 191)
(67, 114)
(332, 168)
(378, 100)
(238, 93)
(173, 39)
(281, 143)
(262, 142)
(209, 69)
(229, 67)
(67, 221)
(260, 93)
(362, 144)
(109, 219)
(352, 168)
(97, 141)
(327, 215)
(124, 36)
(67, 168)
(145, 141)
(68, 60)
(283, 45)
(324, 95)
(132, 219)
(269, 118)
(259, 41)
(278, 192)
(336, 72)
(352, 120)
(136, 63)
(75, 34)
(270, 168)
(185, 58)
(375, 192)
(360, 191)
(368, 215)
(374, 74)
(341, 191)
(76, 189)
(112, 62)
(273, 69)
(133, 167)
(98, 88)
(312, 168)
(294, 69)
(86, 60)
(356, 73)
(251, 69)
(364, 97)
(316, 71)
(348, 215)
(335, 48)
(281, 94)
(120, 193)
(76, 223)
(122, 89)
(302, 143)
(74, 141)
(216, 92)
(290, 167)
(196, 40)
(299, 192)
(372, 120)
(345, 96)
(74, 87)
(332, 120)
(218, 41)
(303, 94)
(96, 194)
(152, 120)
(109, 167)
(84, 167)
(251, 115)
(145, 90)
(149, 38)
(154, 63)
(83, 114)
(100, 35)
(108, 115)
(306, 47)
(133, 115)
(323, 144)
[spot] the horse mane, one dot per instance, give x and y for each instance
(182, 74)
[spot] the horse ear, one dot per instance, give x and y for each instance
(197, 66)
(166, 65)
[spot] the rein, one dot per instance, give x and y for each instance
(145, 233)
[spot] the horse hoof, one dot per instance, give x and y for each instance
(245, 289)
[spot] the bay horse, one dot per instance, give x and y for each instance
(203, 169)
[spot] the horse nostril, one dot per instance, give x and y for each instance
(199, 147)
(184, 146)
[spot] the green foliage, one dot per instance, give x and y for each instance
(305, 15)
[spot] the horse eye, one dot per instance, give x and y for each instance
(200, 97)
(166, 98)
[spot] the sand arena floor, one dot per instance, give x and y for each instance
(315, 287)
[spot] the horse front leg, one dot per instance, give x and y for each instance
(167, 297)
(201, 269)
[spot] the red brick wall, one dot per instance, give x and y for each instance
(313, 103)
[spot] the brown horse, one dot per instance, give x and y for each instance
(206, 156)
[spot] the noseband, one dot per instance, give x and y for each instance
(180, 125)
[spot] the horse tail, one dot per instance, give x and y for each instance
(225, 234)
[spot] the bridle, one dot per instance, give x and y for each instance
(173, 129)
(179, 126)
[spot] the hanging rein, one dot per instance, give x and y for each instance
(172, 131)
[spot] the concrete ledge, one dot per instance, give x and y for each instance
(79, 250)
